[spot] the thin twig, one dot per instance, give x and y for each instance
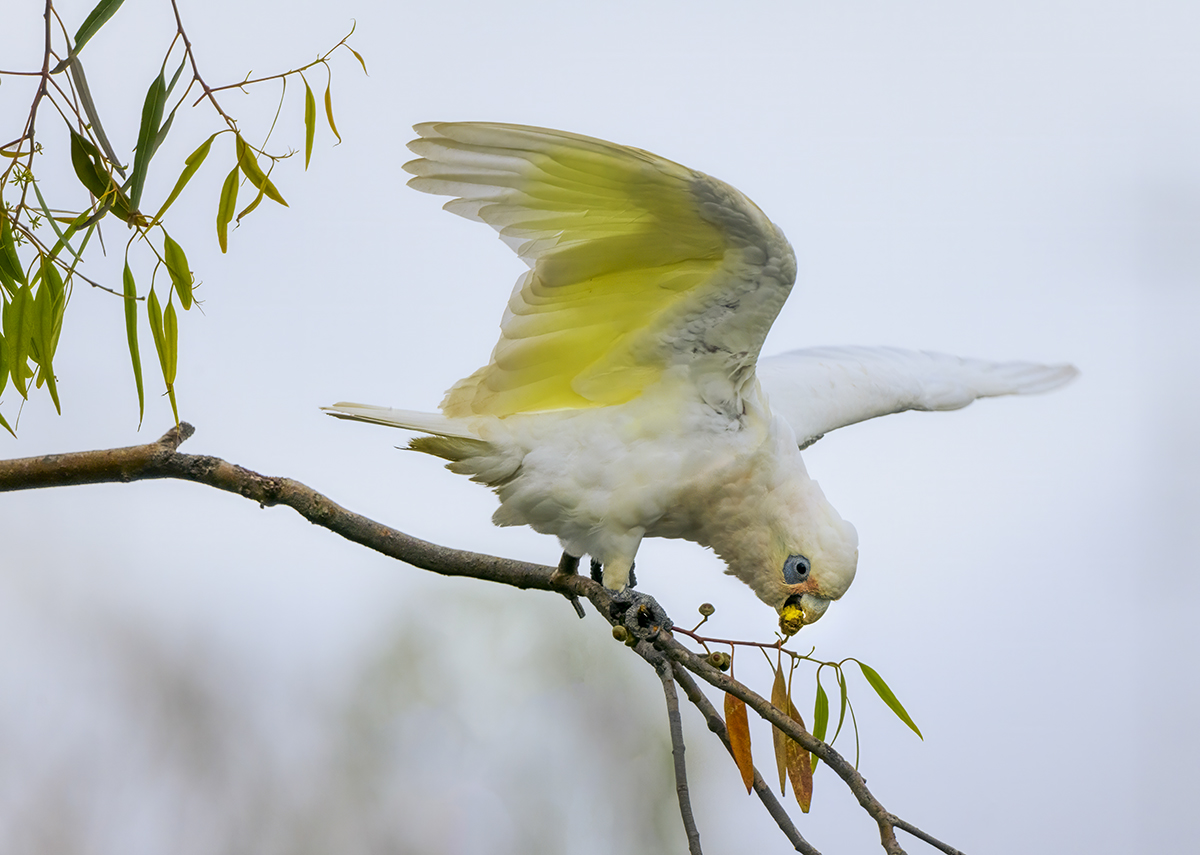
(761, 789)
(663, 667)
(924, 835)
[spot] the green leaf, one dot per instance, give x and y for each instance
(820, 716)
(93, 116)
(4, 424)
(171, 346)
(163, 131)
(841, 677)
(132, 335)
(86, 159)
(152, 112)
(83, 157)
(254, 173)
(10, 262)
(226, 206)
(361, 62)
(18, 331)
(46, 318)
(888, 697)
(166, 342)
(190, 165)
(154, 313)
(91, 25)
(171, 332)
(177, 266)
(310, 122)
(329, 110)
(820, 711)
(175, 77)
(3, 363)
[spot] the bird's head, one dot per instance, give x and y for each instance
(786, 541)
(813, 562)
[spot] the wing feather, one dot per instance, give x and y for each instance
(636, 264)
(824, 388)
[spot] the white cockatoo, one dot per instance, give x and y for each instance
(626, 398)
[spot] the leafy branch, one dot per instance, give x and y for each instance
(38, 270)
(636, 619)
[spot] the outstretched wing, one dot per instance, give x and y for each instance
(636, 264)
(824, 388)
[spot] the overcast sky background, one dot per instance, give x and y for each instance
(1007, 181)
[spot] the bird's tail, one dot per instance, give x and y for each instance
(434, 423)
(449, 439)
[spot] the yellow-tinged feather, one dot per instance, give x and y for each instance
(617, 242)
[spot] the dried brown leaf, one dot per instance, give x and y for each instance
(737, 723)
(779, 699)
(799, 763)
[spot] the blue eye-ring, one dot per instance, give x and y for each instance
(795, 569)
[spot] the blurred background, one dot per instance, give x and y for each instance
(182, 671)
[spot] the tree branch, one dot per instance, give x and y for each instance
(161, 459)
(842, 768)
(675, 724)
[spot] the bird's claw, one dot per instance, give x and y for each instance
(640, 614)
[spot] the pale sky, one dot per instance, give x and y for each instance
(1006, 181)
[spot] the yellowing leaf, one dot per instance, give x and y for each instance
(171, 335)
(226, 206)
(190, 165)
(250, 207)
(310, 121)
(254, 173)
(154, 313)
(177, 266)
(329, 110)
(738, 726)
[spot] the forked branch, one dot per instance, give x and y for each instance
(672, 661)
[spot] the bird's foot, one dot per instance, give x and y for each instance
(639, 613)
(597, 573)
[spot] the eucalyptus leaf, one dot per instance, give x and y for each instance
(329, 110)
(177, 267)
(190, 164)
(96, 19)
(310, 122)
(253, 172)
(152, 112)
(226, 206)
(131, 335)
(10, 262)
(888, 697)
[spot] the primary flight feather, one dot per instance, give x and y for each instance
(625, 398)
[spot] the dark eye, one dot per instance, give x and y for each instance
(795, 569)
